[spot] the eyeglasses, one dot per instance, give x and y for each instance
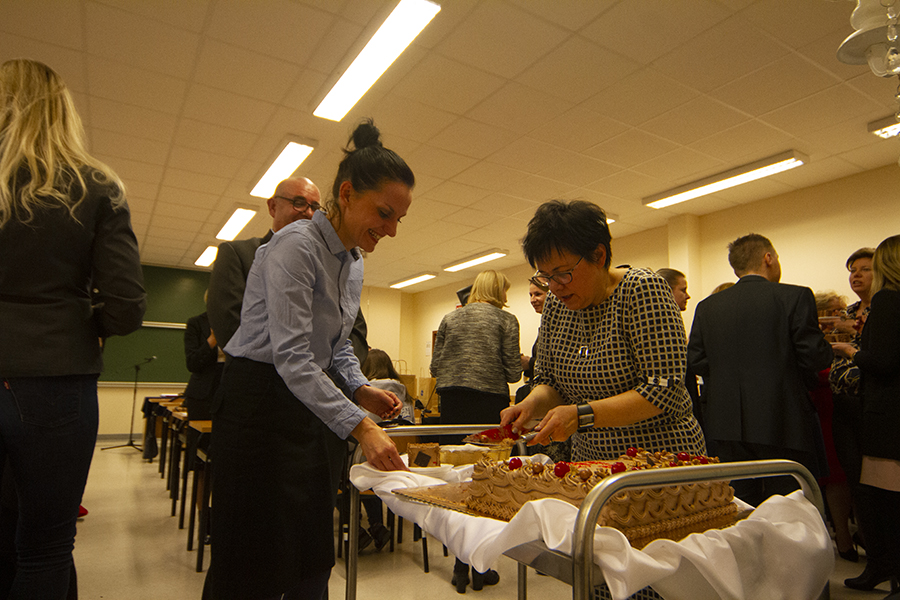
(300, 203)
(563, 278)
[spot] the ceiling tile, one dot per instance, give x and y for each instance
(640, 96)
(68, 63)
(471, 138)
(188, 198)
(455, 194)
(178, 223)
(470, 216)
(65, 28)
(630, 148)
(438, 163)
(133, 120)
(129, 85)
(501, 40)
(747, 142)
(720, 54)
(144, 43)
(206, 163)
(784, 81)
(578, 169)
(194, 181)
(519, 108)
(578, 129)
(175, 211)
(537, 189)
(600, 68)
(223, 108)
(694, 120)
(411, 119)
(129, 147)
(646, 30)
(571, 15)
(448, 85)
(834, 105)
(781, 19)
(227, 67)
(628, 184)
(679, 165)
(283, 29)
(220, 140)
(132, 170)
(504, 205)
(530, 155)
(185, 15)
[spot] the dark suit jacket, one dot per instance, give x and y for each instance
(758, 347)
(64, 284)
(879, 363)
(203, 363)
(227, 283)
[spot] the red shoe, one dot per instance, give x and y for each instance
(82, 511)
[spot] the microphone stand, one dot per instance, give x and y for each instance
(130, 443)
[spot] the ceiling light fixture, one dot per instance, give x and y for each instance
(476, 260)
(887, 127)
(737, 176)
(238, 221)
(413, 280)
(401, 27)
(283, 167)
(610, 218)
(208, 257)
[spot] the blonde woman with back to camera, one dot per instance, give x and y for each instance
(70, 275)
(476, 354)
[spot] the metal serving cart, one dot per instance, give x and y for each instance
(579, 570)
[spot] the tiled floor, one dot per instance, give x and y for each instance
(129, 548)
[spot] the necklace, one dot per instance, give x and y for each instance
(587, 335)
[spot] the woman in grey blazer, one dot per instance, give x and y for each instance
(70, 275)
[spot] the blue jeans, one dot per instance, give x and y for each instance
(48, 429)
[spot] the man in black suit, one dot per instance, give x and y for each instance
(201, 353)
(758, 347)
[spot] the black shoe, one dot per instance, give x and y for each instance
(381, 535)
(871, 577)
(364, 540)
(489, 577)
(460, 581)
(852, 555)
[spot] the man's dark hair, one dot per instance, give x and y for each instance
(747, 252)
(861, 253)
(575, 226)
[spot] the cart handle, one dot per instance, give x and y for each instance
(586, 521)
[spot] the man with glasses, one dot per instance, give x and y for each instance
(293, 199)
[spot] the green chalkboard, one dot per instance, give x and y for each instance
(173, 296)
(121, 354)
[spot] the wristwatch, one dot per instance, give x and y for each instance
(585, 416)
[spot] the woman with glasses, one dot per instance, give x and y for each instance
(611, 357)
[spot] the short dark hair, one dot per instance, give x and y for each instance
(368, 164)
(861, 253)
(575, 226)
(671, 276)
(747, 252)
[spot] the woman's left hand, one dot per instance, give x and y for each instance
(380, 402)
(559, 423)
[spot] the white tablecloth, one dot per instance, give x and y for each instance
(782, 550)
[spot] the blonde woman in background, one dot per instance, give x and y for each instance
(70, 275)
(476, 354)
(878, 358)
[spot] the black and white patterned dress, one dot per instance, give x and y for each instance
(634, 340)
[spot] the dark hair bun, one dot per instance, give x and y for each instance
(365, 135)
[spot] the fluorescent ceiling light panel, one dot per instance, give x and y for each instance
(283, 167)
(238, 221)
(413, 280)
(481, 258)
(395, 34)
(737, 176)
(208, 257)
(887, 127)
(610, 218)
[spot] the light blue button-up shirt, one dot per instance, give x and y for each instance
(300, 304)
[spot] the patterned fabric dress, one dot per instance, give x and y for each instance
(634, 340)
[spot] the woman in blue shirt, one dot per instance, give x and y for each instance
(283, 416)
